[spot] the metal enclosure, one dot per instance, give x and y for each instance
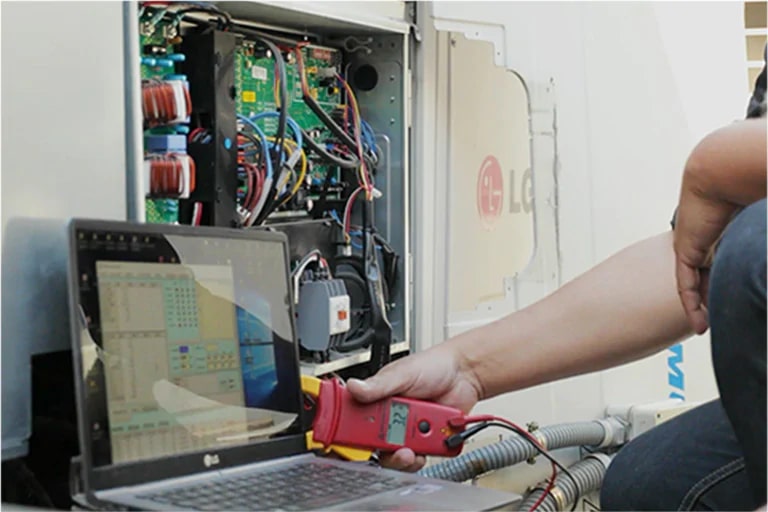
(379, 68)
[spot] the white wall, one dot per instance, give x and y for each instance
(63, 155)
(636, 85)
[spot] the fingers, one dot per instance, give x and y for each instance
(403, 460)
(689, 289)
(388, 382)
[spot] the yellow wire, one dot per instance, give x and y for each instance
(356, 111)
(291, 146)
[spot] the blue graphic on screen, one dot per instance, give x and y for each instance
(257, 352)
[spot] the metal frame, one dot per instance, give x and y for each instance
(387, 38)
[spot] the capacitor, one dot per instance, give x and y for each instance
(164, 62)
(148, 61)
(177, 57)
(153, 49)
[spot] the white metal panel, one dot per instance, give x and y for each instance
(379, 15)
(490, 219)
(635, 85)
(63, 155)
(429, 187)
(63, 117)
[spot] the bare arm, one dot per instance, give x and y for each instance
(729, 165)
(624, 309)
(725, 172)
(621, 310)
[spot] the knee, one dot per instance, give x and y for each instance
(628, 482)
(616, 492)
(738, 270)
(737, 286)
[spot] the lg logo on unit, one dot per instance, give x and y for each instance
(490, 191)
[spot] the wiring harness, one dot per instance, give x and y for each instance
(522, 447)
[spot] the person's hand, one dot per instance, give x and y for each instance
(436, 374)
(701, 219)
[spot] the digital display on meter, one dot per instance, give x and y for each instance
(398, 419)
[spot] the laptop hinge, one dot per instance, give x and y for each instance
(81, 495)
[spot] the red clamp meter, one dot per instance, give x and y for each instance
(386, 425)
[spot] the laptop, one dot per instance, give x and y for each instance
(188, 382)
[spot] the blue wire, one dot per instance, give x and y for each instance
(263, 138)
(360, 234)
(370, 138)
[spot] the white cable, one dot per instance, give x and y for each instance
(195, 213)
(185, 181)
(263, 199)
(181, 104)
(296, 274)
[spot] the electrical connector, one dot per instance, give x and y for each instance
(643, 417)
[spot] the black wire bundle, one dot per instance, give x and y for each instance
(224, 18)
(320, 151)
(337, 130)
(257, 144)
(525, 435)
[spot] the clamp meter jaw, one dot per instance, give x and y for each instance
(386, 425)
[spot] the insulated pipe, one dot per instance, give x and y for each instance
(596, 434)
(588, 473)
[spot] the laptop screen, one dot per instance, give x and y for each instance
(187, 342)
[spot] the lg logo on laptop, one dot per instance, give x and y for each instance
(210, 459)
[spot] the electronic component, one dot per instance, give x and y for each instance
(387, 425)
(169, 175)
(250, 128)
(165, 143)
(165, 102)
(208, 66)
(322, 315)
(255, 83)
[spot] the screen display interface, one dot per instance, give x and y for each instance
(186, 344)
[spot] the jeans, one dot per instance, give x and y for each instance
(714, 456)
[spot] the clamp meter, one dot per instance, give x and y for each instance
(386, 425)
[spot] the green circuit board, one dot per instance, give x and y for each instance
(255, 84)
(256, 92)
(157, 211)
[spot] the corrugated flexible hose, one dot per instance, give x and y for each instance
(511, 451)
(588, 474)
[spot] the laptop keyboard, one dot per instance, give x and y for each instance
(314, 485)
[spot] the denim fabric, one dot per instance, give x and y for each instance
(692, 462)
(738, 330)
(712, 457)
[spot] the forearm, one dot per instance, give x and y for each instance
(624, 309)
(729, 165)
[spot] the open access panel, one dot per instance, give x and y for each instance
(258, 117)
